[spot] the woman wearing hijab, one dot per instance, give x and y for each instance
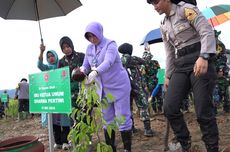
(61, 122)
(103, 64)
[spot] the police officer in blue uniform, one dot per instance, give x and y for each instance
(190, 46)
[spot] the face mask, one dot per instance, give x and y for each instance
(51, 60)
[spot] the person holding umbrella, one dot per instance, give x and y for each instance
(103, 64)
(61, 122)
(190, 49)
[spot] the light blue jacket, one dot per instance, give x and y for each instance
(49, 66)
(58, 119)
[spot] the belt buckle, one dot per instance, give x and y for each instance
(176, 54)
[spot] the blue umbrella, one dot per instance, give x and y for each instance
(154, 36)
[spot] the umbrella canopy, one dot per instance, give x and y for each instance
(36, 9)
(217, 14)
(154, 36)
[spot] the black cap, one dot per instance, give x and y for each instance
(125, 48)
(23, 79)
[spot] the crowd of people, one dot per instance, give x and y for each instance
(196, 68)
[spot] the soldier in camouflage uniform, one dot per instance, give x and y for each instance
(216, 98)
(222, 70)
(220, 59)
(223, 84)
(133, 65)
(73, 60)
(151, 80)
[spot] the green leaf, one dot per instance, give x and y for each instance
(110, 97)
(90, 119)
(98, 147)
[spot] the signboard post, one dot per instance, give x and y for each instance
(50, 93)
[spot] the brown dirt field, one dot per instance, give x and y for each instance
(10, 128)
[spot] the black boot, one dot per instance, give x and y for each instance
(135, 130)
(186, 145)
(212, 148)
(148, 131)
(110, 141)
(127, 140)
(210, 133)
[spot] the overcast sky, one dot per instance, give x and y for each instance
(123, 20)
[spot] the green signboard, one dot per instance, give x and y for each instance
(4, 97)
(50, 91)
(161, 76)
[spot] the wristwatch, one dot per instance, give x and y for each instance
(205, 56)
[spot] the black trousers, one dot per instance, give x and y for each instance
(23, 105)
(182, 80)
(60, 134)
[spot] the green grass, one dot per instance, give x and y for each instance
(12, 110)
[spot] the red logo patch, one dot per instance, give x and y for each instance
(46, 77)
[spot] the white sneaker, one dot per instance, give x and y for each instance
(174, 146)
(65, 146)
(57, 146)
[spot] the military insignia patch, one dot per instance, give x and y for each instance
(190, 14)
(219, 49)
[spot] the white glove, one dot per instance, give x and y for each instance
(93, 68)
(82, 69)
(150, 99)
(91, 77)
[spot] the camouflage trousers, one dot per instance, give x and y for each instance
(142, 104)
(221, 97)
(157, 103)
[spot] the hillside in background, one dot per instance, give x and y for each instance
(11, 92)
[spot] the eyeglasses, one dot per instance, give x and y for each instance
(154, 2)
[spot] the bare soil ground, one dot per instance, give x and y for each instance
(11, 128)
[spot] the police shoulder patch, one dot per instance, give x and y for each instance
(190, 14)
